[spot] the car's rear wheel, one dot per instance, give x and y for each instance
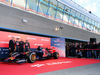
(56, 55)
(32, 57)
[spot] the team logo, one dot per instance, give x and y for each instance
(50, 64)
(57, 44)
(44, 40)
(31, 38)
(38, 44)
(14, 36)
(4, 42)
(58, 40)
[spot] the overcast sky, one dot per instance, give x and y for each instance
(91, 5)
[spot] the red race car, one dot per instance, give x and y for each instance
(31, 56)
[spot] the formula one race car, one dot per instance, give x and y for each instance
(31, 56)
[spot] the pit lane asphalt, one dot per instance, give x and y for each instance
(93, 69)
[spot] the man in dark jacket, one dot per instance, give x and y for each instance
(21, 46)
(79, 52)
(89, 52)
(11, 45)
(95, 46)
(99, 51)
(73, 49)
(40, 52)
(27, 46)
(17, 45)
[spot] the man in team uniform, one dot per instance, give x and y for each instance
(17, 45)
(21, 46)
(27, 46)
(11, 45)
(40, 52)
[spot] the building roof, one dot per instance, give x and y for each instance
(80, 9)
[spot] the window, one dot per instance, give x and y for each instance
(66, 14)
(92, 22)
(32, 5)
(86, 19)
(67, 9)
(76, 21)
(89, 20)
(86, 25)
(19, 3)
(73, 12)
(6, 1)
(99, 26)
(78, 15)
(82, 16)
(96, 24)
(76, 18)
(71, 19)
(92, 27)
(89, 26)
(80, 23)
(60, 11)
(52, 8)
(43, 6)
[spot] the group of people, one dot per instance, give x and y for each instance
(18, 45)
(87, 50)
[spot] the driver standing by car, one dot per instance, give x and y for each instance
(27, 46)
(17, 45)
(11, 45)
(40, 52)
(21, 46)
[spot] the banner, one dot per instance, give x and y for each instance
(59, 45)
(34, 41)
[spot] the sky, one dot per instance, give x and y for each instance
(90, 5)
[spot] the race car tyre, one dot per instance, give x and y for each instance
(32, 57)
(48, 57)
(56, 55)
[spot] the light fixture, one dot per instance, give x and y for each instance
(56, 29)
(24, 20)
(61, 27)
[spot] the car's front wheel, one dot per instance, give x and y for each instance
(32, 57)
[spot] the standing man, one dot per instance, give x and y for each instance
(11, 45)
(89, 52)
(80, 45)
(27, 46)
(79, 52)
(17, 45)
(67, 50)
(95, 46)
(73, 49)
(40, 52)
(99, 51)
(21, 46)
(85, 51)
